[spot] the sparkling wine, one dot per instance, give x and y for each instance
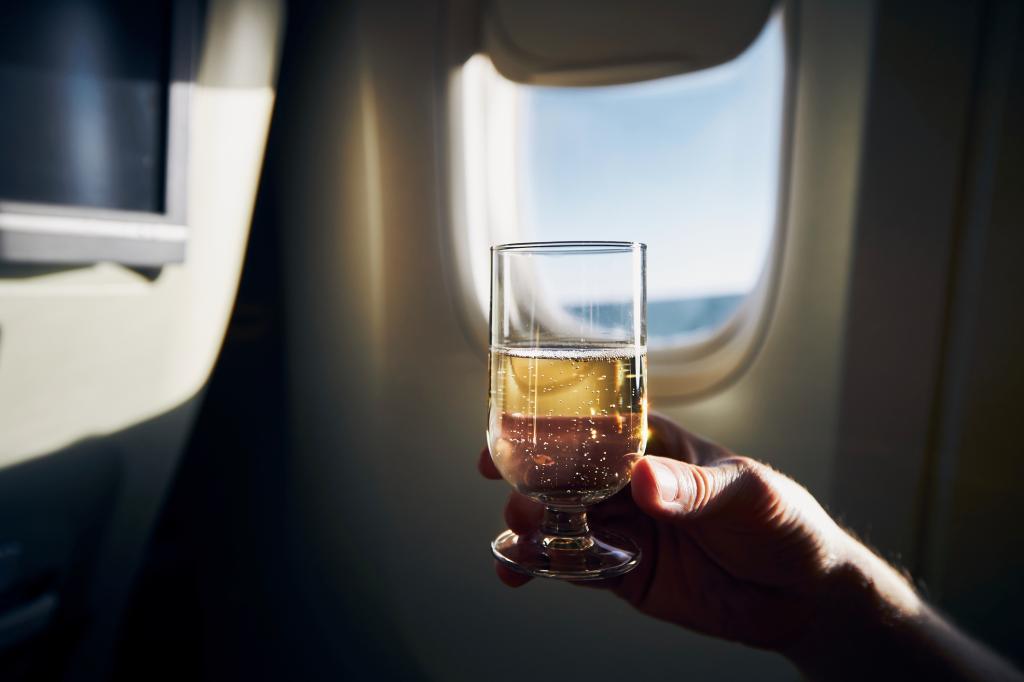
(566, 425)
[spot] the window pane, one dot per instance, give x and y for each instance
(687, 164)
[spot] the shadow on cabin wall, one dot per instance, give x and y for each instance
(229, 590)
(73, 525)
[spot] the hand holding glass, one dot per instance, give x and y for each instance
(567, 415)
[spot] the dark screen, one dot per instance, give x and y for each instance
(83, 102)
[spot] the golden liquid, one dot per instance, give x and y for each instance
(565, 425)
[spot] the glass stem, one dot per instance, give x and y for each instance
(565, 530)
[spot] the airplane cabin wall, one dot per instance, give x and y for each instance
(102, 366)
(972, 537)
(928, 450)
(388, 393)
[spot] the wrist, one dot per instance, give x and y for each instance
(861, 603)
(869, 622)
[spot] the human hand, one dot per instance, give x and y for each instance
(734, 549)
(731, 548)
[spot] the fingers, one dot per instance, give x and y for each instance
(668, 439)
(672, 490)
(665, 438)
(522, 514)
(510, 577)
(486, 466)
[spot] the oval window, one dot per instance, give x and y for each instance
(688, 164)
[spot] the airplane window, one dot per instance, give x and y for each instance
(688, 164)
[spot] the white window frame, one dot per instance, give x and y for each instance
(483, 191)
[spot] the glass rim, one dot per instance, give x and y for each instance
(569, 247)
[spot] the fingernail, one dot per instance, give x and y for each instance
(667, 481)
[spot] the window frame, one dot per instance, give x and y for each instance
(689, 370)
(63, 233)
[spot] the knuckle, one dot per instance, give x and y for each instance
(704, 488)
(758, 480)
(760, 486)
(755, 483)
(749, 471)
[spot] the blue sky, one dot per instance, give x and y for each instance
(687, 164)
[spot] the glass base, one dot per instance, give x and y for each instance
(599, 554)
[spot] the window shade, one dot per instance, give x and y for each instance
(582, 42)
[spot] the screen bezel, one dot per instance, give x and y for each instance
(53, 233)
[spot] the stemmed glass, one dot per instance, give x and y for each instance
(567, 412)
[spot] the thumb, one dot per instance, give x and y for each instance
(673, 491)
